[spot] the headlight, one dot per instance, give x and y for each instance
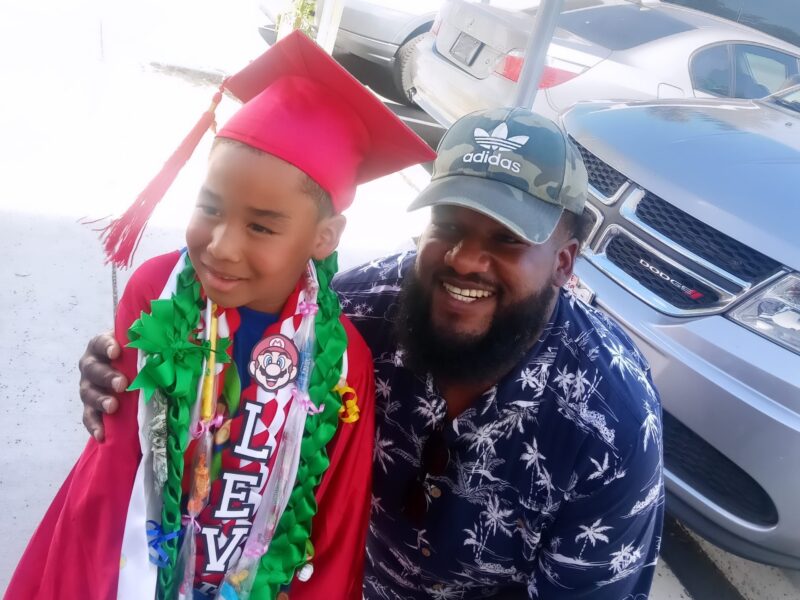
(775, 312)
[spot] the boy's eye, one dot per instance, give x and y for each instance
(261, 229)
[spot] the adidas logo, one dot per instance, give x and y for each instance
(498, 140)
(493, 144)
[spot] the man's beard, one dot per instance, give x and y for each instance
(466, 358)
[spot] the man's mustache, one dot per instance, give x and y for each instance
(476, 278)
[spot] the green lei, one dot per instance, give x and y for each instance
(174, 360)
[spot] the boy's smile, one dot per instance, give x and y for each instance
(254, 228)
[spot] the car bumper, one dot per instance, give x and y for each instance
(373, 50)
(347, 42)
(734, 400)
(447, 93)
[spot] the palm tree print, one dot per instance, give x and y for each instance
(600, 470)
(430, 409)
(382, 388)
(650, 427)
(624, 558)
(592, 534)
(381, 454)
(495, 517)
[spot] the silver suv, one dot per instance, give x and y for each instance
(696, 251)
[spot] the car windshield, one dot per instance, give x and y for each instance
(621, 27)
(789, 99)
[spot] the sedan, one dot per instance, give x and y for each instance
(384, 32)
(601, 49)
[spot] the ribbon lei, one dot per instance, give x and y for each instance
(304, 399)
(201, 474)
(239, 579)
(157, 537)
(307, 309)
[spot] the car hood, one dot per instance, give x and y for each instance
(733, 164)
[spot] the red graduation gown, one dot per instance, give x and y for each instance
(75, 551)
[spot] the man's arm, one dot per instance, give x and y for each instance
(100, 383)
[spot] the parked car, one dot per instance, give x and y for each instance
(774, 17)
(381, 31)
(601, 49)
(695, 250)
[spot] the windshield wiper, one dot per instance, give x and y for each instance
(790, 104)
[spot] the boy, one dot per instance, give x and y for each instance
(244, 467)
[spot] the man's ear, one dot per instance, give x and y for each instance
(565, 261)
(329, 232)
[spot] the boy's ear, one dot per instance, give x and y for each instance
(329, 232)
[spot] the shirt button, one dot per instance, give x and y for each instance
(426, 552)
(282, 596)
(435, 491)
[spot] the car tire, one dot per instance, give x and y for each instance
(404, 68)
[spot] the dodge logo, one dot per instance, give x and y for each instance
(693, 294)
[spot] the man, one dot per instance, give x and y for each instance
(518, 445)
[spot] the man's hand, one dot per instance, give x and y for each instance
(99, 382)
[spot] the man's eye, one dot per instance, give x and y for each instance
(210, 211)
(445, 228)
(267, 360)
(261, 229)
(281, 362)
(508, 239)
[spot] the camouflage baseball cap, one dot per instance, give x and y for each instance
(512, 165)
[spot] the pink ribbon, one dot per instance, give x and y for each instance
(305, 401)
(255, 550)
(201, 427)
(307, 309)
(188, 520)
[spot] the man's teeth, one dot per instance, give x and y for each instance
(464, 294)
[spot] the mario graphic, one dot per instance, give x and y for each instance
(273, 363)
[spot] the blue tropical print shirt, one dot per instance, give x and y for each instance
(554, 485)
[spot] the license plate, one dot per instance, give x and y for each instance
(582, 291)
(466, 49)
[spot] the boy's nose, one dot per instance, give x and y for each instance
(224, 246)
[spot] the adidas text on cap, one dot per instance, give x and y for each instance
(512, 165)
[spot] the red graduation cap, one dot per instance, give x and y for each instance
(303, 107)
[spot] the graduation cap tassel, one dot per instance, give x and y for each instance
(121, 237)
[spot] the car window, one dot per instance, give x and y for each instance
(711, 70)
(780, 18)
(761, 71)
(620, 27)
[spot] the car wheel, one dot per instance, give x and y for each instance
(404, 68)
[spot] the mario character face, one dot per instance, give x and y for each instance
(273, 363)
